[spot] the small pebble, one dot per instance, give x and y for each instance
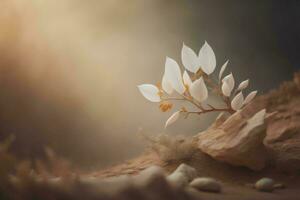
(279, 186)
(187, 170)
(265, 185)
(206, 184)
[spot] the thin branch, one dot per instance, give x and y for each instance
(209, 105)
(209, 110)
(193, 102)
(190, 99)
(173, 98)
(183, 99)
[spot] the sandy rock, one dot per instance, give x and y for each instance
(265, 185)
(283, 136)
(282, 139)
(206, 184)
(237, 141)
(283, 129)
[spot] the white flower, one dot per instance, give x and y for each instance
(250, 97)
(166, 86)
(173, 75)
(223, 69)
(150, 92)
(225, 89)
(243, 85)
(230, 82)
(237, 101)
(187, 79)
(198, 90)
(207, 59)
(189, 59)
(174, 117)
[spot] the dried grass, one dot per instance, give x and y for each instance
(172, 148)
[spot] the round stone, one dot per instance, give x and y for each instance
(265, 185)
(206, 184)
(178, 179)
(187, 170)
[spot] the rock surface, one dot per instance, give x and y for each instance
(237, 140)
(283, 128)
(226, 139)
(283, 136)
(206, 184)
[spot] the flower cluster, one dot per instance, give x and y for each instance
(192, 86)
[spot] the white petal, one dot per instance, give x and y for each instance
(226, 89)
(189, 59)
(150, 92)
(173, 74)
(166, 86)
(250, 97)
(243, 85)
(230, 81)
(223, 69)
(174, 117)
(187, 79)
(237, 101)
(207, 59)
(198, 90)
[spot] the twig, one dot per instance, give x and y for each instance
(215, 87)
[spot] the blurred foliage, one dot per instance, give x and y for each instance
(172, 149)
(25, 179)
(7, 165)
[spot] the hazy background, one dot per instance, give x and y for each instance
(69, 68)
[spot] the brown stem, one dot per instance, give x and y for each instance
(193, 102)
(211, 110)
(216, 88)
(184, 99)
(173, 98)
